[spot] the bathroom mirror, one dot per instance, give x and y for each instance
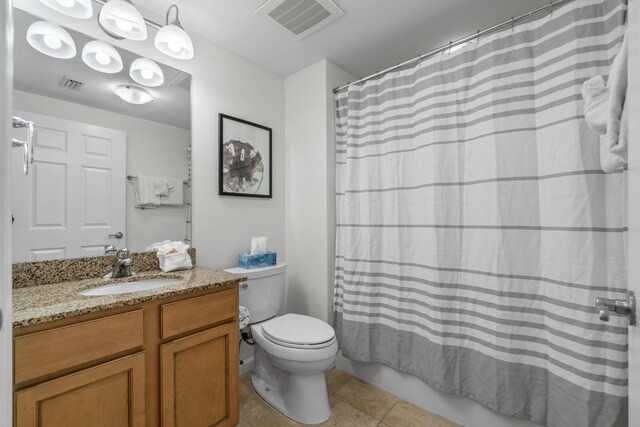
(91, 143)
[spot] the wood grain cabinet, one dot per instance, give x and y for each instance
(170, 362)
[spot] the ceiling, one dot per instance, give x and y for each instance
(40, 74)
(371, 36)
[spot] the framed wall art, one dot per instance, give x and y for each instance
(245, 158)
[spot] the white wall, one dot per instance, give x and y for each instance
(6, 352)
(152, 149)
(310, 205)
(222, 82)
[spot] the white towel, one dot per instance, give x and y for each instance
(162, 187)
(145, 192)
(176, 193)
(173, 256)
(617, 84)
(609, 162)
(596, 102)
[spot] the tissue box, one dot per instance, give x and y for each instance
(262, 259)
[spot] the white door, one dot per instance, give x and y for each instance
(6, 87)
(633, 100)
(74, 197)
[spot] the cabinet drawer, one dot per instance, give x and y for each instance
(184, 316)
(51, 351)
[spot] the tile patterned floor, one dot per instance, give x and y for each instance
(354, 403)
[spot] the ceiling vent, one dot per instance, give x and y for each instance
(70, 83)
(182, 81)
(300, 17)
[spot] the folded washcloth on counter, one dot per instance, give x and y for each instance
(172, 256)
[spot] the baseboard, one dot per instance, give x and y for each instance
(246, 365)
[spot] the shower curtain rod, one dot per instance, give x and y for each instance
(549, 8)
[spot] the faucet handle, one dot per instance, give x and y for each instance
(122, 253)
(110, 249)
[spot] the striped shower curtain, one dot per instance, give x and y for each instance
(475, 227)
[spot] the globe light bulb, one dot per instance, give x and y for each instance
(146, 73)
(124, 25)
(66, 3)
(174, 47)
(52, 42)
(102, 58)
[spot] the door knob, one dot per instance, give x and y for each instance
(625, 307)
(118, 235)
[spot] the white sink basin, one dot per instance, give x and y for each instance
(128, 287)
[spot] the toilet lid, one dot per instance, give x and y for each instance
(297, 329)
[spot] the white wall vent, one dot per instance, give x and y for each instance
(300, 17)
(70, 83)
(181, 80)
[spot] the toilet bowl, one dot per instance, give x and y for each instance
(292, 352)
(289, 375)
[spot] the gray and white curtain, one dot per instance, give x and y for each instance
(475, 227)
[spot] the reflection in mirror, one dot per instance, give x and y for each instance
(91, 132)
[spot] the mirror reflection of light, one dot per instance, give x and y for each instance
(102, 58)
(66, 3)
(52, 42)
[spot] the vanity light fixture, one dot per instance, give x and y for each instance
(51, 39)
(173, 40)
(146, 72)
(134, 94)
(75, 8)
(102, 57)
(121, 20)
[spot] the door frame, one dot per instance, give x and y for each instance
(6, 106)
(633, 103)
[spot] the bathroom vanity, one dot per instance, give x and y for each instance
(165, 356)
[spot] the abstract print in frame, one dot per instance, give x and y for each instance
(245, 158)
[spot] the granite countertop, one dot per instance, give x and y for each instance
(44, 303)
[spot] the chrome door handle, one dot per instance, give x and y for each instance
(244, 285)
(626, 307)
(28, 144)
(118, 235)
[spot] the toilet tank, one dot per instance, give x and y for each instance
(263, 292)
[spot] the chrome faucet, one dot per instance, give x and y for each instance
(122, 264)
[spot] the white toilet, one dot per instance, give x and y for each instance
(292, 351)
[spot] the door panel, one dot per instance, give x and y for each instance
(200, 379)
(109, 395)
(75, 197)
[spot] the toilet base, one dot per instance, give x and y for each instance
(304, 398)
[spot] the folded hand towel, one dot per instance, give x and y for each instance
(145, 192)
(176, 193)
(617, 85)
(162, 187)
(596, 100)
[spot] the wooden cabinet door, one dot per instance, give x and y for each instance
(109, 395)
(199, 379)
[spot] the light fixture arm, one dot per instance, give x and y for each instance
(175, 21)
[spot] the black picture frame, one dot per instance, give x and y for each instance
(239, 143)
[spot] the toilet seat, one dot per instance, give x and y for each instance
(298, 331)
